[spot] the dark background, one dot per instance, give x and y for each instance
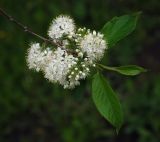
(34, 110)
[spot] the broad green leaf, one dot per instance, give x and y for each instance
(126, 70)
(106, 101)
(119, 27)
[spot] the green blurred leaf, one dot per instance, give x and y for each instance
(119, 27)
(106, 101)
(126, 70)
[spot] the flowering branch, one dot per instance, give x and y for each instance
(25, 28)
(76, 52)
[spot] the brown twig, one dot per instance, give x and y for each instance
(26, 29)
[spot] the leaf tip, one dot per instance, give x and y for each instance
(138, 13)
(143, 70)
(117, 130)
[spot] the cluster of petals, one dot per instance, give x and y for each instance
(60, 26)
(71, 61)
(94, 45)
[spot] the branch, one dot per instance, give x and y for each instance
(25, 28)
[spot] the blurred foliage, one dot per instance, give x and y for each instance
(34, 110)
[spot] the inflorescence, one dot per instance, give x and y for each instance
(77, 51)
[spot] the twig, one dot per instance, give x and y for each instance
(26, 29)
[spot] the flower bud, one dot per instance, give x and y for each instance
(80, 54)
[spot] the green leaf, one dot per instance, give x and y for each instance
(130, 70)
(106, 101)
(119, 27)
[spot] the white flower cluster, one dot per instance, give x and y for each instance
(60, 26)
(76, 53)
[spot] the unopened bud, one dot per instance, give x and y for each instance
(87, 69)
(80, 72)
(80, 54)
(77, 50)
(83, 74)
(83, 65)
(72, 72)
(85, 59)
(94, 32)
(69, 76)
(76, 69)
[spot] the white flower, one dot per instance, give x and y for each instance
(58, 68)
(72, 58)
(36, 59)
(62, 25)
(93, 45)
